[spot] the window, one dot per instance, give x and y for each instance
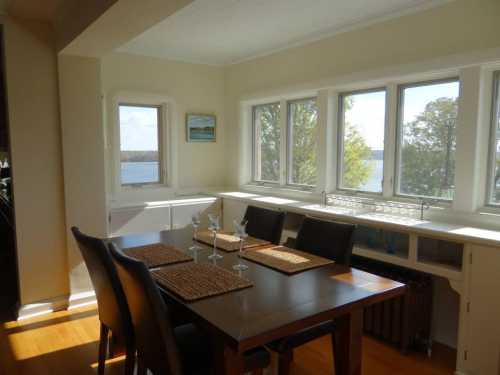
(494, 190)
(361, 140)
(140, 128)
(427, 139)
(267, 142)
(302, 145)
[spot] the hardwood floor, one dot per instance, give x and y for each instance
(66, 343)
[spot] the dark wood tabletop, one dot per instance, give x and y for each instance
(278, 304)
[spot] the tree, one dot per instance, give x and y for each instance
(357, 168)
(428, 151)
(304, 119)
(269, 138)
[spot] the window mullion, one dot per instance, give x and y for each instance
(283, 143)
(390, 149)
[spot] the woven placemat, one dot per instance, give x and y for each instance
(228, 242)
(285, 260)
(158, 254)
(195, 281)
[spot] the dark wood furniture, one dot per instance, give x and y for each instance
(279, 305)
(264, 223)
(331, 240)
(114, 313)
(161, 347)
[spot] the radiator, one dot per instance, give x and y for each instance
(403, 321)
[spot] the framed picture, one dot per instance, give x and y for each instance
(200, 127)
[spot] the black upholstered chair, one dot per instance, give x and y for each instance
(330, 240)
(162, 348)
(264, 223)
(114, 314)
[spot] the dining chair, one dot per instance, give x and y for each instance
(328, 239)
(114, 314)
(264, 223)
(162, 348)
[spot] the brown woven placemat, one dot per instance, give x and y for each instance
(286, 260)
(195, 281)
(228, 242)
(158, 254)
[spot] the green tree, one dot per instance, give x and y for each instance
(268, 117)
(428, 151)
(304, 120)
(357, 167)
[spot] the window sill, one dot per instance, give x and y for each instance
(288, 191)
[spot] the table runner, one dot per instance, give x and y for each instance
(228, 242)
(285, 259)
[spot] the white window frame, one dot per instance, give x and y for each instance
(256, 153)
(495, 115)
(340, 139)
(162, 171)
(399, 125)
(285, 144)
(289, 146)
(165, 137)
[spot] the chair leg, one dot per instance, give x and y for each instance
(284, 362)
(103, 346)
(141, 368)
(334, 351)
(129, 360)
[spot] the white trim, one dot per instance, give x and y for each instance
(168, 139)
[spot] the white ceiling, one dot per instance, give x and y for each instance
(222, 32)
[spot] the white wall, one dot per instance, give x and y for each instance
(192, 88)
(31, 70)
(83, 155)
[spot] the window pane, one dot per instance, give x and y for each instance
(139, 151)
(428, 140)
(495, 191)
(267, 142)
(303, 120)
(363, 141)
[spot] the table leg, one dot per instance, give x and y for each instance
(347, 341)
(227, 361)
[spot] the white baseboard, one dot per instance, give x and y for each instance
(55, 304)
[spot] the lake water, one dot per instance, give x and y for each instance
(147, 172)
(139, 172)
(374, 183)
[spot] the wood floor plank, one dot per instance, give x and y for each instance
(66, 343)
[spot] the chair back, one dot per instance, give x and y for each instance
(328, 239)
(111, 302)
(264, 223)
(153, 330)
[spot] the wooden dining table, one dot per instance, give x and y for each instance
(277, 304)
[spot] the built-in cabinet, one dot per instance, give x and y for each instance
(467, 282)
(483, 321)
(173, 214)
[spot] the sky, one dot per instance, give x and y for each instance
(138, 128)
(368, 111)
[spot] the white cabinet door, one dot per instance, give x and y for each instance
(139, 220)
(182, 213)
(483, 325)
(232, 210)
